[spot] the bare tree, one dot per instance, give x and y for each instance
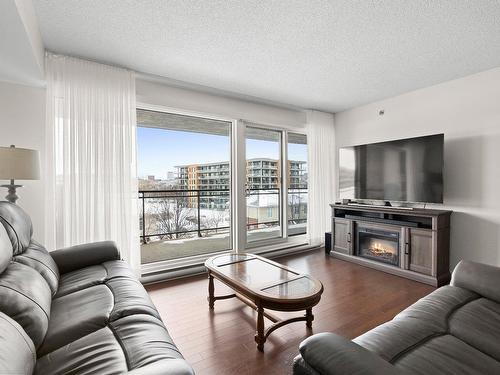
(172, 216)
(216, 220)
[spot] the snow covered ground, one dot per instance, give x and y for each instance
(172, 249)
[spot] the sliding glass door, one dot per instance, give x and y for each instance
(184, 169)
(297, 189)
(263, 184)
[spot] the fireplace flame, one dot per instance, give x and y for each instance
(382, 250)
(379, 249)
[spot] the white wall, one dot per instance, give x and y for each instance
(22, 122)
(467, 111)
(190, 100)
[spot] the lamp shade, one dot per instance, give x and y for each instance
(19, 164)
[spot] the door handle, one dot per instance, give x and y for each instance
(407, 248)
(349, 237)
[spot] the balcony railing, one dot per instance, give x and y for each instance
(297, 199)
(177, 213)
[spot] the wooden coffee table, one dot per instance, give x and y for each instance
(264, 284)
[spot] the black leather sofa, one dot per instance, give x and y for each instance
(454, 330)
(78, 310)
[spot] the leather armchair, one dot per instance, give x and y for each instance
(453, 330)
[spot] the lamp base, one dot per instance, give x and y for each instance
(12, 196)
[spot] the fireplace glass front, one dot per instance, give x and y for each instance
(379, 245)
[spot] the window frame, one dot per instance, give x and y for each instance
(307, 162)
(237, 171)
(262, 246)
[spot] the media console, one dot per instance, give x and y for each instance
(410, 243)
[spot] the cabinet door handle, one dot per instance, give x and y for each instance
(407, 248)
(349, 237)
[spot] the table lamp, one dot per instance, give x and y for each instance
(18, 164)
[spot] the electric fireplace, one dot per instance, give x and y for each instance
(377, 244)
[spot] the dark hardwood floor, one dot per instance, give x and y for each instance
(221, 342)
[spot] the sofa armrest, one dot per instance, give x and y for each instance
(175, 366)
(75, 257)
(328, 353)
(480, 278)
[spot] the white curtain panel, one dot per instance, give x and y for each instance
(321, 159)
(91, 194)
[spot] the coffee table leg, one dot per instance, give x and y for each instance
(309, 318)
(259, 336)
(211, 298)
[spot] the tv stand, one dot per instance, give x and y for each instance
(416, 240)
(387, 204)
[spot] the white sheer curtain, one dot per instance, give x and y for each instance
(91, 194)
(321, 160)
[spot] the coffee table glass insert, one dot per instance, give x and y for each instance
(292, 288)
(254, 272)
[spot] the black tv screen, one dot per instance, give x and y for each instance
(406, 170)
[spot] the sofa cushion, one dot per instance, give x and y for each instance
(129, 343)
(17, 354)
(96, 353)
(26, 298)
(76, 315)
(447, 355)
(438, 306)
(144, 340)
(84, 311)
(93, 275)
(18, 225)
(478, 324)
(5, 249)
(130, 297)
(395, 337)
(38, 258)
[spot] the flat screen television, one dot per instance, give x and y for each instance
(404, 170)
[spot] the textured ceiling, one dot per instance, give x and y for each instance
(326, 55)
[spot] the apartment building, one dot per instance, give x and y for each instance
(213, 179)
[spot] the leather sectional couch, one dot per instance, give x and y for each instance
(454, 330)
(78, 310)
